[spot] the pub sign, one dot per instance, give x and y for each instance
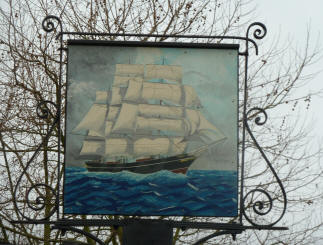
(151, 129)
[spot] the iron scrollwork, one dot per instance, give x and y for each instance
(48, 24)
(36, 194)
(259, 207)
(52, 24)
(258, 33)
(65, 228)
(262, 207)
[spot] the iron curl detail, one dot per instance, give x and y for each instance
(49, 25)
(39, 202)
(262, 207)
(258, 120)
(43, 111)
(260, 32)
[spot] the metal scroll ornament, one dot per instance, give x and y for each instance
(263, 206)
(48, 24)
(40, 197)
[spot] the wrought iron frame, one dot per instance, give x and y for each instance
(44, 112)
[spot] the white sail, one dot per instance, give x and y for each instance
(108, 128)
(94, 119)
(150, 147)
(113, 112)
(191, 98)
(130, 70)
(207, 132)
(121, 81)
(126, 119)
(92, 148)
(205, 124)
(162, 91)
(170, 125)
(95, 134)
(134, 91)
(116, 96)
(116, 147)
(101, 97)
(160, 111)
(193, 119)
(172, 73)
(201, 130)
(178, 146)
(124, 81)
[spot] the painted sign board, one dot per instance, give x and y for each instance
(151, 129)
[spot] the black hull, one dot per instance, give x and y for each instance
(176, 164)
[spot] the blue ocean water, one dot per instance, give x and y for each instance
(199, 193)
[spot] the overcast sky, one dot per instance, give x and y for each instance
(291, 19)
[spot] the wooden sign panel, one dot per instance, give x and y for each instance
(151, 129)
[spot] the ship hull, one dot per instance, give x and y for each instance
(176, 164)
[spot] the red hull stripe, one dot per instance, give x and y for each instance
(180, 171)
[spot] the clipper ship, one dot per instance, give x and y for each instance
(145, 123)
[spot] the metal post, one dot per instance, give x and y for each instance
(147, 233)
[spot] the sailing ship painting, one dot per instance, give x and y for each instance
(141, 135)
(144, 127)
